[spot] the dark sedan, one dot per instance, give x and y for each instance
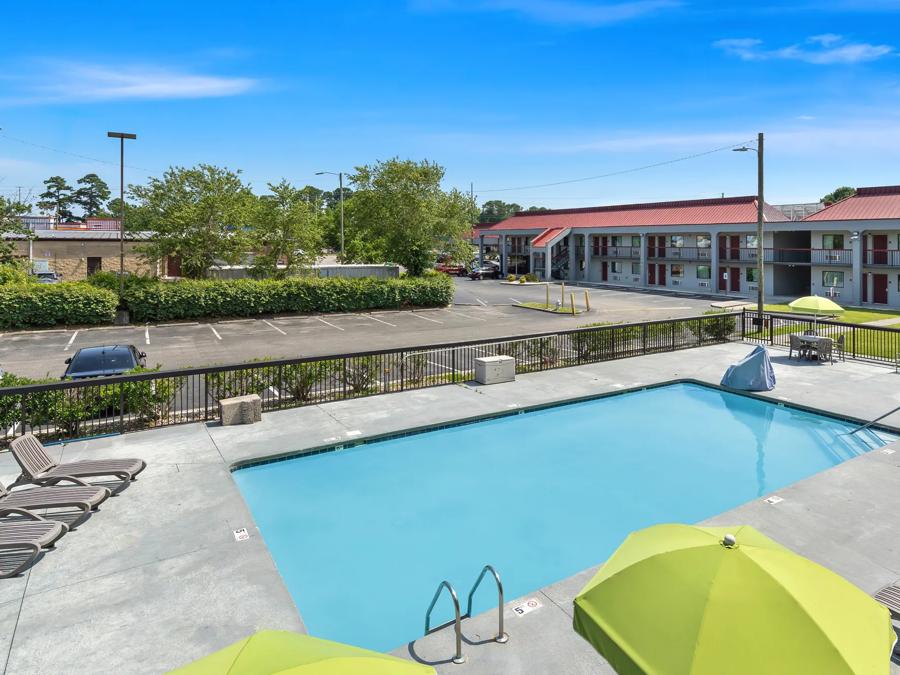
(104, 361)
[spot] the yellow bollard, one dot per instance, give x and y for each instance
(547, 304)
(572, 300)
(587, 301)
(562, 293)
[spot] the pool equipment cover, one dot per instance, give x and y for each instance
(753, 373)
(685, 600)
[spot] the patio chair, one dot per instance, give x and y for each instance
(889, 596)
(797, 344)
(810, 331)
(840, 345)
(27, 535)
(79, 496)
(825, 349)
(38, 468)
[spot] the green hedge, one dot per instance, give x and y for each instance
(189, 299)
(71, 303)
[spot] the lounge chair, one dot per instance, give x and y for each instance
(28, 536)
(797, 344)
(79, 496)
(38, 468)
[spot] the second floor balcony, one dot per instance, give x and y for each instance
(881, 258)
(789, 256)
(688, 253)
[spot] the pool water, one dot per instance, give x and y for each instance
(363, 536)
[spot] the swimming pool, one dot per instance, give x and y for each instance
(363, 536)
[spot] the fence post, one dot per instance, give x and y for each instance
(771, 327)
(853, 339)
(673, 335)
(644, 339)
(453, 364)
(743, 323)
(402, 370)
(344, 379)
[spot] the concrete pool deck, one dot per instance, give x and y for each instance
(156, 578)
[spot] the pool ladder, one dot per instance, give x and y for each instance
(501, 636)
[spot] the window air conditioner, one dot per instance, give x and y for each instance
(676, 282)
(703, 284)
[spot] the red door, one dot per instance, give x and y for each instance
(723, 279)
(865, 288)
(722, 249)
(660, 246)
(879, 289)
(879, 250)
(734, 247)
(734, 278)
(604, 271)
(173, 266)
(661, 275)
(603, 243)
(651, 246)
(651, 275)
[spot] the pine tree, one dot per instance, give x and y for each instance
(57, 199)
(91, 195)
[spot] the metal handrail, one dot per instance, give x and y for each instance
(501, 637)
(877, 419)
(457, 621)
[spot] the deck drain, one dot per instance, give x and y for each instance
(774, 499)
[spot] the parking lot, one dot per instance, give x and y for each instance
(481, 309)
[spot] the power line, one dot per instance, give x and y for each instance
(621, 172)
(4, 135)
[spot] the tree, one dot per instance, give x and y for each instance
(286, 229)
(537, 208)
(91, 195)
(10, 224)
(838, 194)
(399, 213)
(495, 210)
(199, 214)
(57, 198)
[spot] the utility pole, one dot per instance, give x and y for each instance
(760, 295)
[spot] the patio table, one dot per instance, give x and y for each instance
(813, 341)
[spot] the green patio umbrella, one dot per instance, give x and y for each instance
(678, 599)
(280, 651)
(815, 305)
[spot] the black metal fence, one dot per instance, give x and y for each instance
(878, 344)
(72, 409)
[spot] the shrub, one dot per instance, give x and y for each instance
(714, 330)
(532, 277)
(510, 277)
(191, 299)
(14, 273)
(70, 303)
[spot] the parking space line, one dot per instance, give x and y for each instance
(386, 323)
(215, 332)
(271, 325)
(425, 318)
(147, 334)
(474, 318)
(329, 324)
(482, 302)
(71, 340)
(518, 302)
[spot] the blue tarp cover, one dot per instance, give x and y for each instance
(753, 373)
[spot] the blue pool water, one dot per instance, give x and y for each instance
(362, 537)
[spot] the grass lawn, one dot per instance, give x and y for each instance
(565, 309)
(848, 316)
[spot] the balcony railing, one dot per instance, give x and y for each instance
(789, 256)
(881, 258)
(678, 253)
(630, 252)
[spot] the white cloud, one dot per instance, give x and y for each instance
(563, 12)
(67, 82)
(824, 49)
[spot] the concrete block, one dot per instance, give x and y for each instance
(494, 369)
(240, 410)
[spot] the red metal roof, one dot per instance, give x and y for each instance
(869, 203)
(728, 210)
(547, 236)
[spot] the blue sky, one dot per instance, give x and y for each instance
(503, 93)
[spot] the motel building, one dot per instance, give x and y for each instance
(849, 251)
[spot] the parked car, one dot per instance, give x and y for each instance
(452, 268)
(103, 361)
(489, 270)
(47, 277)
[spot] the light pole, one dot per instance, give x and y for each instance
(760, 291)
(121, 136)
(340, 175)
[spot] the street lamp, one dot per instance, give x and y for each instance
(760, 291)
(340, 176)
(121, 136)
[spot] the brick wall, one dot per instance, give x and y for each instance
(70, 258)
